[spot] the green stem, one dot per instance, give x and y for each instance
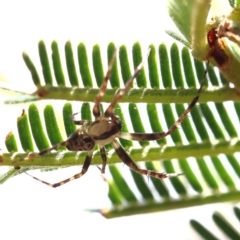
(145, 95)
(56, 159)
(170, 205)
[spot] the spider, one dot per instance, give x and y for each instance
(105, 129)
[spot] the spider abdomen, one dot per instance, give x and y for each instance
(80, 142)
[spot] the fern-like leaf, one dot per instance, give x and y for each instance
(206, 179)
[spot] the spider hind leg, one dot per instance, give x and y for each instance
(48, 150)
(76, 176)
(131, 164)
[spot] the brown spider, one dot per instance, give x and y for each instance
(105, 129)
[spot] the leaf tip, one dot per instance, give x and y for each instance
(23, 112)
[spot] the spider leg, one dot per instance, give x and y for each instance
(160, 135)
(33, 155)
(109, 110)
(76, 176)
(142, 136)
(96, 108)
(104, 158)
(129, 162)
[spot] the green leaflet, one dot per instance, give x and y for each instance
(160, 74)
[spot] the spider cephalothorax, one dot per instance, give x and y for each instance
(106, 128)
(103, 131)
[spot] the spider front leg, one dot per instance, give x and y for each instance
(131, 164)
(96, 107)
(86, 164)
(109, 111)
